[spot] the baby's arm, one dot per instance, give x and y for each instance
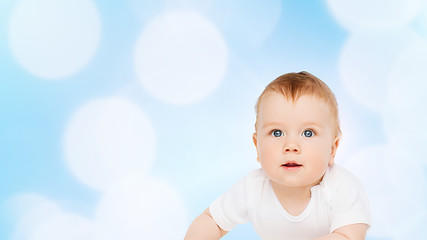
(349, 232)
(204, 227)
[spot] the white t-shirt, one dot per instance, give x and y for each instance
(338, 200)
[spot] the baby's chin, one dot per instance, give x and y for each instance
(297, 181)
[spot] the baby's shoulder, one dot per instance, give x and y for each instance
(255, 183)
(339, 179)
(338, 174)
(256, 177)
(256, 188)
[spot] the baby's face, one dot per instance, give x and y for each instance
(295, 140)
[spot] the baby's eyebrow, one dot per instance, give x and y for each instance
(312, 123)
(272, 124)
(268, 124)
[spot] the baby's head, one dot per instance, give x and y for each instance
(294, 85)
(297, 129)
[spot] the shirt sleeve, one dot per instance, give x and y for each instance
(231, 208)
(350, 204)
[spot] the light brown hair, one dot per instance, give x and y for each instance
(294, 85)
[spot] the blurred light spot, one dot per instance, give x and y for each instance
(140, 208)
(406, 133)
(351, 132)
(366, 62)
(180, 57)
(107, 139)
(377, 15)
(53, 39)
(420, 23)
(408, 80)
(232, 161)
(414, 228)
(247, 22)
(405, 170)
(407, 109)
(145, 9)
(390, 207)
(390, 213)
(28, 210)
(365, 165)
(65, 226)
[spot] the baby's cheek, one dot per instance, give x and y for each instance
(323, 152)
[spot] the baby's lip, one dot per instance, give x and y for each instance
(291, 164)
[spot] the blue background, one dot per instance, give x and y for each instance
(204, 146)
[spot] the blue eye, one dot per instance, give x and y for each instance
(308, 133)
(277, 133)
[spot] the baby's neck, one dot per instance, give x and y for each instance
(293, 199)
(295, 193)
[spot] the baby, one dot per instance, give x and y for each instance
(299, 193)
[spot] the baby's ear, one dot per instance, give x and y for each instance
(256, 145)
(334, 148)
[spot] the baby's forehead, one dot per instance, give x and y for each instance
(280, 97)
(303, 108)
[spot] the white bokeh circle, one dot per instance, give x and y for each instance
(65, 226)
(407, 108)
(377, 15)
(420, 23)
(390, 215)
(29, 210)
(415, 229)
(366, 62)
(351, 130)
(53, 39)
(141, 208)
(180, 57)
(389, 205)
(145, 10)
(408, 81)
(247, 22)
(107, 139)
(405, 133)
(406, 170)
(365, 164)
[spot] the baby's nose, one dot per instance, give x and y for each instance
(291, 148)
